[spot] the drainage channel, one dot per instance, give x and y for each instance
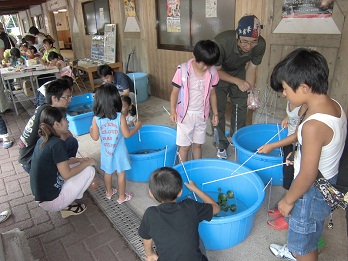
(124, 219)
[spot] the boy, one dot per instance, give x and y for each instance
(192, 96)
(173, 226)
(58, 94)
(321, 136)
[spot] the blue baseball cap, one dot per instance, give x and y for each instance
(249, 26)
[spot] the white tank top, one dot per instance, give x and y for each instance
(331, 153)
(293, 118)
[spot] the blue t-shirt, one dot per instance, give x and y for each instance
(123, 82)
(113, 149)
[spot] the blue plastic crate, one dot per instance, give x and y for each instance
(80, 114)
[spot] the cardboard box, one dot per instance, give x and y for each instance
(80, 114)
(27, 89)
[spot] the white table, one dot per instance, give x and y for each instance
(7, 75)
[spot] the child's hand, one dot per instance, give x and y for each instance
(265, 149)
(215, 120)
(285, 208)
(191, 186)
(285, 122)
(290, 159)
(138, 123)
(173, 117)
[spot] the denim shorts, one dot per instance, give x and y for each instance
(306, 222)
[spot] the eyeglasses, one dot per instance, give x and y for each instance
(66, 97)
(244, 42)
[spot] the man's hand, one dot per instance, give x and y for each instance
(243, 85)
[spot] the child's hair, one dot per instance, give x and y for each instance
(104, 70)
(52, 55)
(69, 79)
(48, 117)
(30, 38)
(49, 41)
(60, 57)
(132, 109)
(56, 88)
(107, 101)
(15, 52)
(302, 66)
(32, 47)
(24, 44)
(206, 51)
(165, 184)
(33, 30)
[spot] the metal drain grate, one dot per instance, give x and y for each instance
(124, 219)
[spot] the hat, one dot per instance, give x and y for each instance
(249, 26)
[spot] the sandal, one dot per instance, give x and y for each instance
(129, 196)
(73, 210)
(274, 213)
(114, 191)
(278, 224)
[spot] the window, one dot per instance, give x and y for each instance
(96, 14)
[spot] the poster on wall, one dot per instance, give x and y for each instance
(97, 49)
(129, 8)
(173, 16)
(110, 43)
(210, 8)
(307, 8)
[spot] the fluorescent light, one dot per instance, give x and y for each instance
(55, 12)
(62, 10)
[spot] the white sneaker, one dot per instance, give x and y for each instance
(4, 215)
(221, 154)
(281, 251)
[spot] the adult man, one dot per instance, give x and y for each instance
(58, 94)
(241, 51)
(121, 80)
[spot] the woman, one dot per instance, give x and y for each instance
(48, 45)
(55, 180)
(40, 37)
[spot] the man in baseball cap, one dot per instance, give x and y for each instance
(241, 51)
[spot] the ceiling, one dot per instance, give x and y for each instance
(14, 6)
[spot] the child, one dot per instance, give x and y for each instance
(321, 136)
(55, 60)
(173, 226)
(128, 110)
(192, 97)
(12, 57)
(111, 126)
(55, 180)
(290, 122)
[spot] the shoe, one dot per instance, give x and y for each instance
(73, 210)
(281, 251)
(278, 223)
(274, 213)
(221, 154)
(4, 215)
(114, 191)
(129, 196)
(7, 144)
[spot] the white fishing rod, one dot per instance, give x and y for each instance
(183, 166)
(136, 104)
(256, 152)
(244, 173)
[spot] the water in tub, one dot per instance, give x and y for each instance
(80, 109)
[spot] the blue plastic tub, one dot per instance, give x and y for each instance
(80, 113)
(156, 148)
(141, 81)
(230, 230)
(248, 139)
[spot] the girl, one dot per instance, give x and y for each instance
(55, 180)
(48, 45)
(128, 110)
(111, 126)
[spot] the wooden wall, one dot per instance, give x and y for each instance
(161, 64)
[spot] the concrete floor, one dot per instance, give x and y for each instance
(256, 245)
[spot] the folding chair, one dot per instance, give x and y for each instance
(77, 76)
